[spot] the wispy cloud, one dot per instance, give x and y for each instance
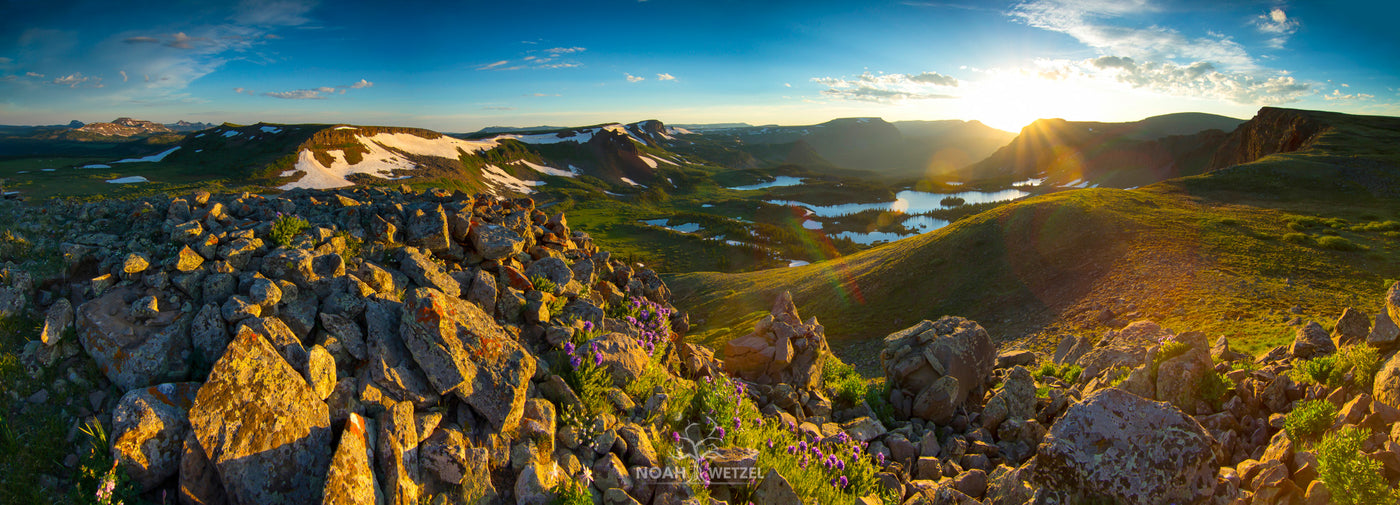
(490, 66)
(318, 93)
(1199, 80)
(1338, 96)
(665, 77)
(634, 78)
(565, 50)
(888, 88)
(1092, 23)
(75, 79)
(34, 74)
(1277, 24)
(123, 73)
(551, 58)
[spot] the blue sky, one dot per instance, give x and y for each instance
(464, 66)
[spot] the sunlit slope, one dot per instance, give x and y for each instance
(1231, 252)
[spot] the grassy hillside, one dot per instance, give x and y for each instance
(1232, 252)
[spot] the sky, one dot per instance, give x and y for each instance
(461, 66)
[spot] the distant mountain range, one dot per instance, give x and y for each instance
(1085, 153)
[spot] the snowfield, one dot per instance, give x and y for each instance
(270, 129)
(380, 161)
(231, 133)
(630, 182)
(127, 180)
(550, 170)
(154, 157)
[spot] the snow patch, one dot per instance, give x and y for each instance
(655, 159)
(271, 129)
(346, 128)
(127, 180)
(154, 157)
(499, 177)
(231, 133)
(578, 136)
(380, 161)
(630, 182)
(650, 161)
(549, 170)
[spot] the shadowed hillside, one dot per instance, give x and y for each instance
(1231, 252)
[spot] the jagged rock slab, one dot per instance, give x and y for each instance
(148, 431)
(462, 350)
(262, 426)
(134, 354)
(1118, 446)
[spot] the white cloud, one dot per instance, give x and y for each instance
(888, 88)
(665, 77)
(34, 74)
(787, 85)
(123, 72)
(1088, 22)
(361, 84)
(273, 12)
(633, 78)
(1198, 79)
(564, 50)
(297, 94)
(1338, 96)
(490, 66)
(244, 91)
(1278, 24)
(317, 93)
(74, 79)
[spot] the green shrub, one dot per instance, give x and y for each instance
(1352, 477)
(589, 380)
(285, 228)
(1119, 374)
(14, 247)
(1298, 238)
(1068, 372)
(1317, 370)
(542, 283)
(1337, 244)
(1362, 360)
(1309, 418)
(572, 492)
(1168, 350)
(1214, 386)
(846, 385)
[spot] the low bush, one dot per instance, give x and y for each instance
(1352, 477)
(1299, 238)
(1309, 419)
(1068, 372)
(1337, 244)
(846, 385)
(286, 227)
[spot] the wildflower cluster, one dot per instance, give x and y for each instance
(651, 320)
(586, 375)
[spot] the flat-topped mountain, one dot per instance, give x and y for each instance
(124, 127)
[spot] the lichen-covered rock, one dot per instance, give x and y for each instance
(350, 480)
(199, 480)
(262, 426)
(932, 367)
(398, 455)
(1120, 447)
(134, 354)
(623, 357)
(390, 364)
(1384, 334)
(208, 334)
(281, 337)
(320, 371)
(148, 431)
(427, 273)
(536, 482)
(494, 241)
(1392, 302)
(463, 351)
(1179, 378)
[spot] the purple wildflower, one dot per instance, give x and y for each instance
(568, 347)
(575, 362)
(844, 482)
(597, 358)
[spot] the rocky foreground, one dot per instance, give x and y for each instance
(382, 346)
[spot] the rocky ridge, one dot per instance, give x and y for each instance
(405, 347)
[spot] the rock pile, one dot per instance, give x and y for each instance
(781, 350)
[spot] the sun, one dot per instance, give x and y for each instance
(1011, 100)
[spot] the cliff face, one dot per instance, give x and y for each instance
(1271, 131)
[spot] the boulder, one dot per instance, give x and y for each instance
(199, 480)
(1387, 385)
(398, 455)
(281, 337)
(494, 241)
(350, 480)
(781, 350)
(552, 269)
(1384, 333)
(425, 272)
(1392, 302)
(57, 320)
(463, 351)
(428, 229)
(208, 334)
(1311, 341)
(932, 367)
(1015, 400)
(134, 354)
(624, 359)
(774, 490)
(149, 427)
(1352, 328)
(1119, 447)
(262, 427)
(536, 482)
(1179, 378)
(391, 366)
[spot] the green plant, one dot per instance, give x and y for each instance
(1214, 386)
(1168, 350)
(585, 374)
(1363, 361)
(285, 227)
(1298, 238)
(1316, 370)
(846, 385)
(101, 481)
(543, 284)
(1338, 244)
(353, 245)
(1309, 418)
(1119, 374)
(1352, 477)
(1068, 372)
(572, 492)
